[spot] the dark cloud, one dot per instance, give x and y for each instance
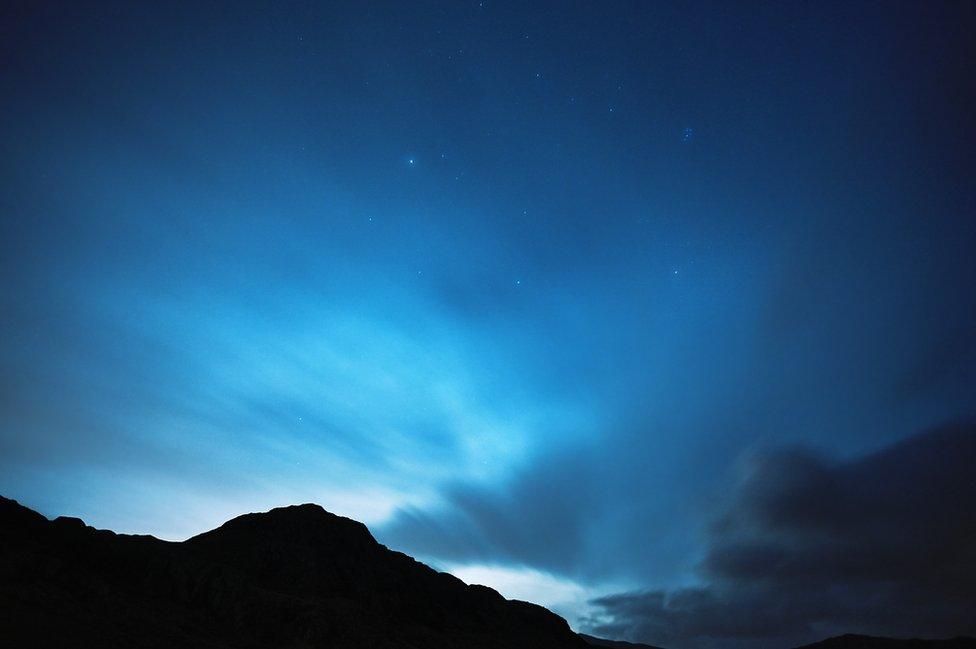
(539, 520)
(884, 544)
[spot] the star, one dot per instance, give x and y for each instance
(411, 161)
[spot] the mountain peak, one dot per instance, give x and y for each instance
(293, 524)
(291, 576)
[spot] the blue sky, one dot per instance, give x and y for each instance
(526, 289)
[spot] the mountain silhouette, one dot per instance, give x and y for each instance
(294, 577)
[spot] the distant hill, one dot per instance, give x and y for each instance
(852, 641)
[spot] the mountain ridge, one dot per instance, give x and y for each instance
(295, 576)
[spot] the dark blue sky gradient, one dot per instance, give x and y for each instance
(528, 289)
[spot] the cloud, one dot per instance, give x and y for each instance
(538, 520)
(809, 547)
(563, 596)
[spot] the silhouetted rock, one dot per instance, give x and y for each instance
(292, 577)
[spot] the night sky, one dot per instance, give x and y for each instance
(662, 315)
